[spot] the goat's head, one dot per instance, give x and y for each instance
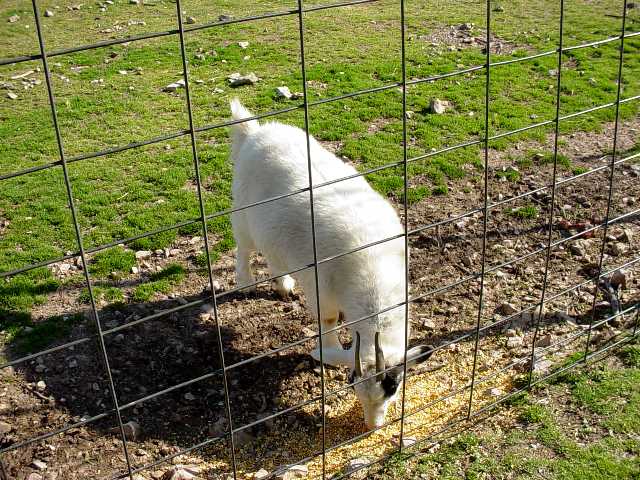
(377, 385)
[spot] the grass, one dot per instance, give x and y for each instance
(134, 191)
(525, 212)
(107, 294)
(26, 336)
(160, 282)
(112, 260)
(583, 426)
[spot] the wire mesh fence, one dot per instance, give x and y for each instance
(599, 280)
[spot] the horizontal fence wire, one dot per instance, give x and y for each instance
(475, 334)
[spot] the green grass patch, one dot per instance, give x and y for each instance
(510, 174)
(525, 212)
(533, 414)
(114, 259)
(28, 337)
(108, 294)
(160, 282)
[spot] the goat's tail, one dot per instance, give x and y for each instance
(238, 112)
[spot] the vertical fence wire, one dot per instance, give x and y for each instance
(539, 314)
(406, 215)
(214, 300)
(78, 234)
(612, 166)
(303, 69)
(485, 208)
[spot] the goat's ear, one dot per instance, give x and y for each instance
(419, 354)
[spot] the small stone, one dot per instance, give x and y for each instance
(14, 18)
(237, 80)
(191, 20)
(119, 338)
(514, 342)
(429, 324)
(553, 72)
(12, 95)
(143, 254)
(134, 2)
(40, 368)
(577, 248)
(181, 300)
(283, 92)
(131, 430)
(180, 472)
(494, 392)
(292, 472)
(544, 341)
(39, 465)
(48, 13)
(172, 87)
(543, 367)
(408, 114)
(189, 396)
(261, 474)
(619, 279)
(174, 252)
(135, 270)
(41, 385)
(5, 428)
(122, 72)
(498, 8)
(224, 18)
(626, 235)
(618, 248)
(507, 308)
(243, 45)
(438, 106)
(357, 464)
(200, 56)
(34, 476)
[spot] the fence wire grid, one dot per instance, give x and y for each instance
(484, 210)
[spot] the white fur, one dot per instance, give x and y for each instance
(270, 160)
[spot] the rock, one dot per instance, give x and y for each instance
(283, 92)
(119, 338)
(12, 95)
(544, 341)
(409, 114)
(41, 385)
(494, 392)
(428, 323)
(5, 428)
(48, 13)
(14, 18)
(577, 248)
(619, 279)
(438, 106)
(507, 308)
(40, 368)
(180, 472)
(292, 472)
(356, 464)
(131, 430)
(191, 20)
(135, 270)
(626, 235)
(143, 254)
(618, 248)
(34, 476)
(189, 396)
(238, 80)
(243, 45)
(224, 18)
(498, 8)
(172, 87)
(511, 332)
(174, 252)
(134, 2)
(39, 465)
(542, 367)
(261, 474)
(514, 342)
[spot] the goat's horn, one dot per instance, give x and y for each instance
(358, 365)
(380, 366)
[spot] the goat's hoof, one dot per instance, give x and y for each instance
(284, 286)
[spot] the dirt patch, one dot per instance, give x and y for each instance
(467, 35)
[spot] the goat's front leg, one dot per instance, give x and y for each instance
(332, 351)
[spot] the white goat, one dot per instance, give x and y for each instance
(270, 160)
